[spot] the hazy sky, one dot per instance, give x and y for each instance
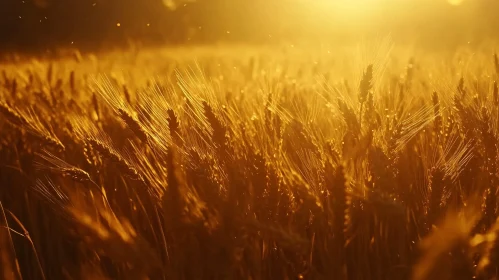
(32, 22)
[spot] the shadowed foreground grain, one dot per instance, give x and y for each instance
(249, 166)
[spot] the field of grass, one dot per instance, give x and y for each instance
(375, 162)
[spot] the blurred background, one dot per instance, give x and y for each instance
(27, 25)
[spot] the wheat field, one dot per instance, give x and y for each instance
(372, 162)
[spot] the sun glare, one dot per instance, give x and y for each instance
(349, 11)
(374, 12)
(455, 2)
(348, 5)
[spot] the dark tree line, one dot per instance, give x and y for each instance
(46, 23)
